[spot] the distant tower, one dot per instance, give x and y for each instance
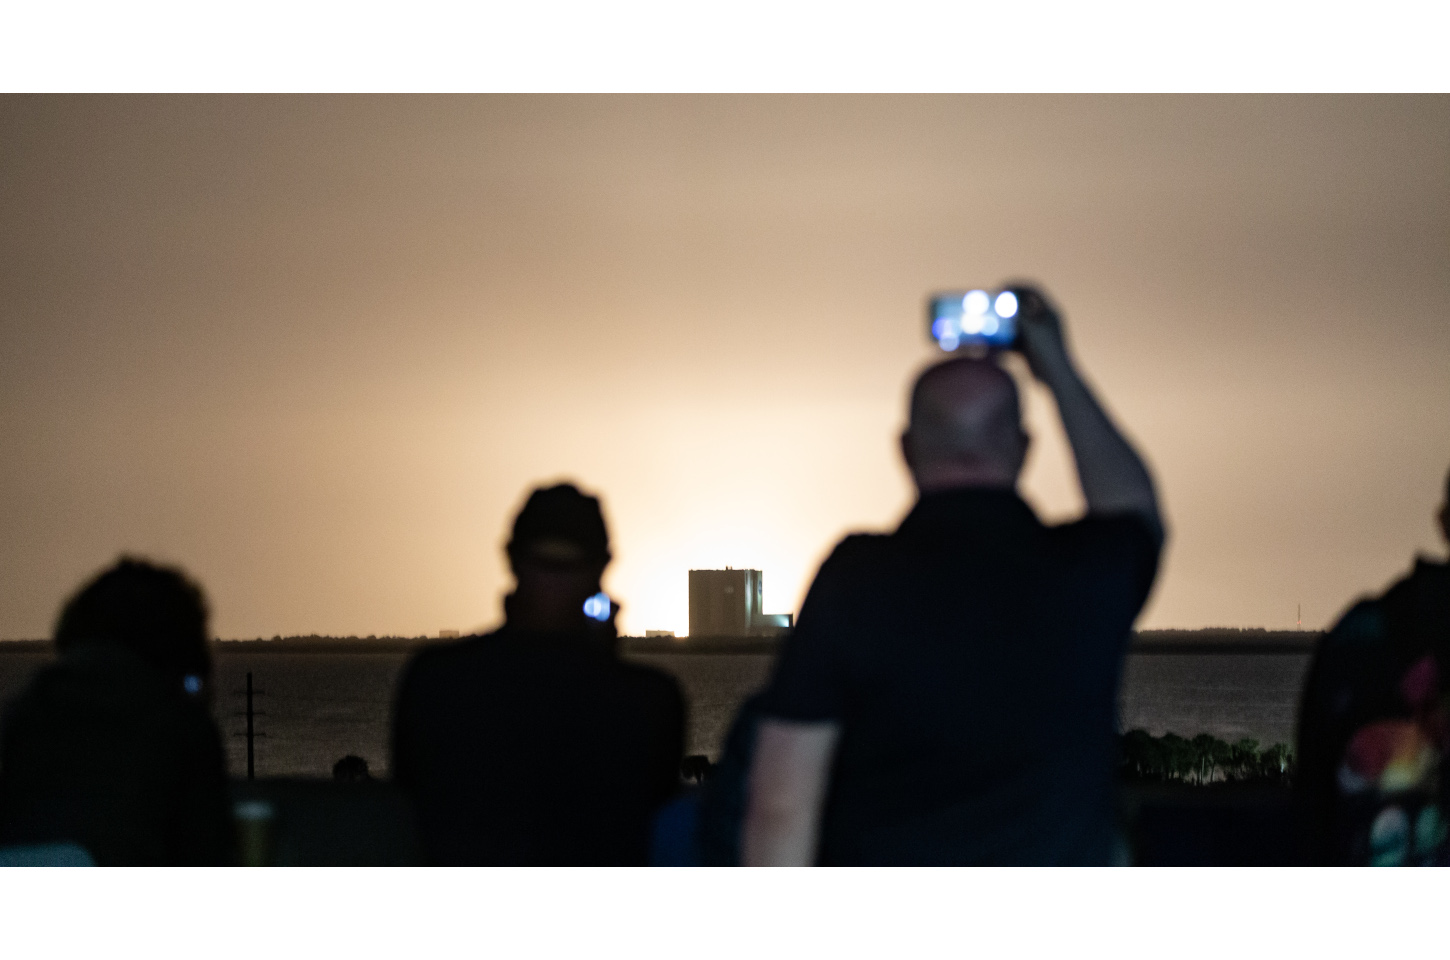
(723, 602)
(1299, 616)
(727, 603)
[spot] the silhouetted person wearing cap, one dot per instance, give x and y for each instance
(113, 747)
(536, 744)
(949, 694)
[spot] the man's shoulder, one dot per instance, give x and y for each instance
(1116, 524)
(1128, 534)
(1420, 592)
(857, 549)
(1362, 626)
(861, 542)
(451, 650)
(1368, 624)
(67, 702)
(449, 657)
(1355, 649)
(104, 682)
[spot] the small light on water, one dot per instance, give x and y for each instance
(191, 683)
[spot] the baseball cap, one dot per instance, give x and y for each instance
(559, 524)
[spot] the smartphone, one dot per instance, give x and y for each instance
(599, 611)
(599, 607)
(981, 319)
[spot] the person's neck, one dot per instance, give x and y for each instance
(527, 617)
(955, 483)
(940, 476)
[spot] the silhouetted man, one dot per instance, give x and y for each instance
(949, 695)
(1369, 786)
(112, 747)
(535, 744)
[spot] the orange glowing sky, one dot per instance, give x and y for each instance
(316, 350)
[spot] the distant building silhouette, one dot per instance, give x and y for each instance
(727, 603)
(660, 633)
(447, 634)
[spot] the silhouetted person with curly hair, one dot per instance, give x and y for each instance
(112, 747)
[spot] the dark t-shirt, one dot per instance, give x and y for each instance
(525, 749)
(104, 752)
(1374, 731)
(972, 659)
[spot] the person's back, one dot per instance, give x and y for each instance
(982, 652)
(949, 692)
(112, 747)
(535, 744)
(1370, 780)
(527, 748)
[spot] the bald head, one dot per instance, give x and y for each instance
(966, 427)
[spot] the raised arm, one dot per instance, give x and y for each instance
(1114, 478)
(787, 791)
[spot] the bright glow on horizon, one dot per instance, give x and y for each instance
(308, 348)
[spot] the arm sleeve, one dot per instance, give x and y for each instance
(1123, 550)
(812, 675)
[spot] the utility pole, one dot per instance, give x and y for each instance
(1298, 617)
(251, 753)
(251, 733)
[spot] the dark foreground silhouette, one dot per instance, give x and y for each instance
(536, 744)
(112, 747)
(949, 693)
(1374, 728)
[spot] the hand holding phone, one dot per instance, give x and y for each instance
(1040, 337)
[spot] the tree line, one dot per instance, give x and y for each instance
(1203, 759)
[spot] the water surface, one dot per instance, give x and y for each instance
(317, 707)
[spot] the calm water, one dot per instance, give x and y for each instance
(316, 708)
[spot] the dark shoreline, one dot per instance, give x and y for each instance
(1167, 642)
